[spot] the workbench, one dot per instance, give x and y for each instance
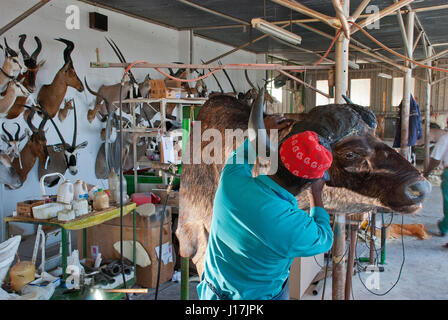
(81, 223)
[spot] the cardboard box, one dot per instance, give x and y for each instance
(165, 89)
(25, 208)
(104, 236)
(158, 89)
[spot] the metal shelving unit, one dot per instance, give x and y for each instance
(138, 132)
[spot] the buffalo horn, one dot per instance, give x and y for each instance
(256, 128)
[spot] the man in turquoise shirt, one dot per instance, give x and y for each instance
(257, 228)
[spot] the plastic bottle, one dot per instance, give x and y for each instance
(114, 185)
(116, 193)
(101, 200)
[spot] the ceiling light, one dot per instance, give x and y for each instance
(276, 31)
(384, 75)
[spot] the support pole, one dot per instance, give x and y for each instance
(406, 103)
(341, 85)
(351, 259)
(23, 16)
(428, 50)
(372, 237)
(338, 269)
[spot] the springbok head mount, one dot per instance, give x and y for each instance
(13, 142)
(70, 150)
(71, 78)
(12, 58)
(30, 62)
(37, 139)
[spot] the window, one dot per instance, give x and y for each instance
(360, 91)
(397, 91)
(322, 85)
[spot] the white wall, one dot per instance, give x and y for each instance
(137, 39)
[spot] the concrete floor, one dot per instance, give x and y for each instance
(425, 271)
(424, 274)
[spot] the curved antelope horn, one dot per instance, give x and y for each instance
(38, 49)
(25, 54)
(68, 50)
(16, 137)
(256, 129)
(7, 133)
(9, 51)
(248, 80)
(120, 57)
(30, 117)
(228, 78)
(47, 117)
(75, 130)
(216, 79)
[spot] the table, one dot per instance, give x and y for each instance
(81, 223)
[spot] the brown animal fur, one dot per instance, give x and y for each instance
(354, 173)
(63, 112)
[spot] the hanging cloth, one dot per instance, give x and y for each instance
(415, 125)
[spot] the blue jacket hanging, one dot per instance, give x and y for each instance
(415, 125)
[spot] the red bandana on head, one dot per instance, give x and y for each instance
(304, 157)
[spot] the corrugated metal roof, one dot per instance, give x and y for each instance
(180, 16)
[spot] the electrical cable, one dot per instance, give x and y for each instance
(396, 53)
(401, 267)
(329, 48)
(162, 217)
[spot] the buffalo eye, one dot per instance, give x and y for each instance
(351, 156)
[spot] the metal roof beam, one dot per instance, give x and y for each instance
(24, 15)
(331, 21)
(214, 12)
(387, 11)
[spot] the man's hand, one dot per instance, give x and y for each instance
(315, 193)
(276, 121)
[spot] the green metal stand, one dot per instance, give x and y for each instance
(184, 279)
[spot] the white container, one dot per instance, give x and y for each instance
(81, 207)
(66, 215)
(80, 190)
(48, 210)
(65, 192)
(114, 185)
(92, 192)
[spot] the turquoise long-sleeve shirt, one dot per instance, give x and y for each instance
(257, 230)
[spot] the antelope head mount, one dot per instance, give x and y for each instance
(51, 96)
(13, 142)
(11, 65)
(34, 149)
(63, 112)
(31, 64)
(70, 150)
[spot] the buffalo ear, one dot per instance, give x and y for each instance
(366, 115)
